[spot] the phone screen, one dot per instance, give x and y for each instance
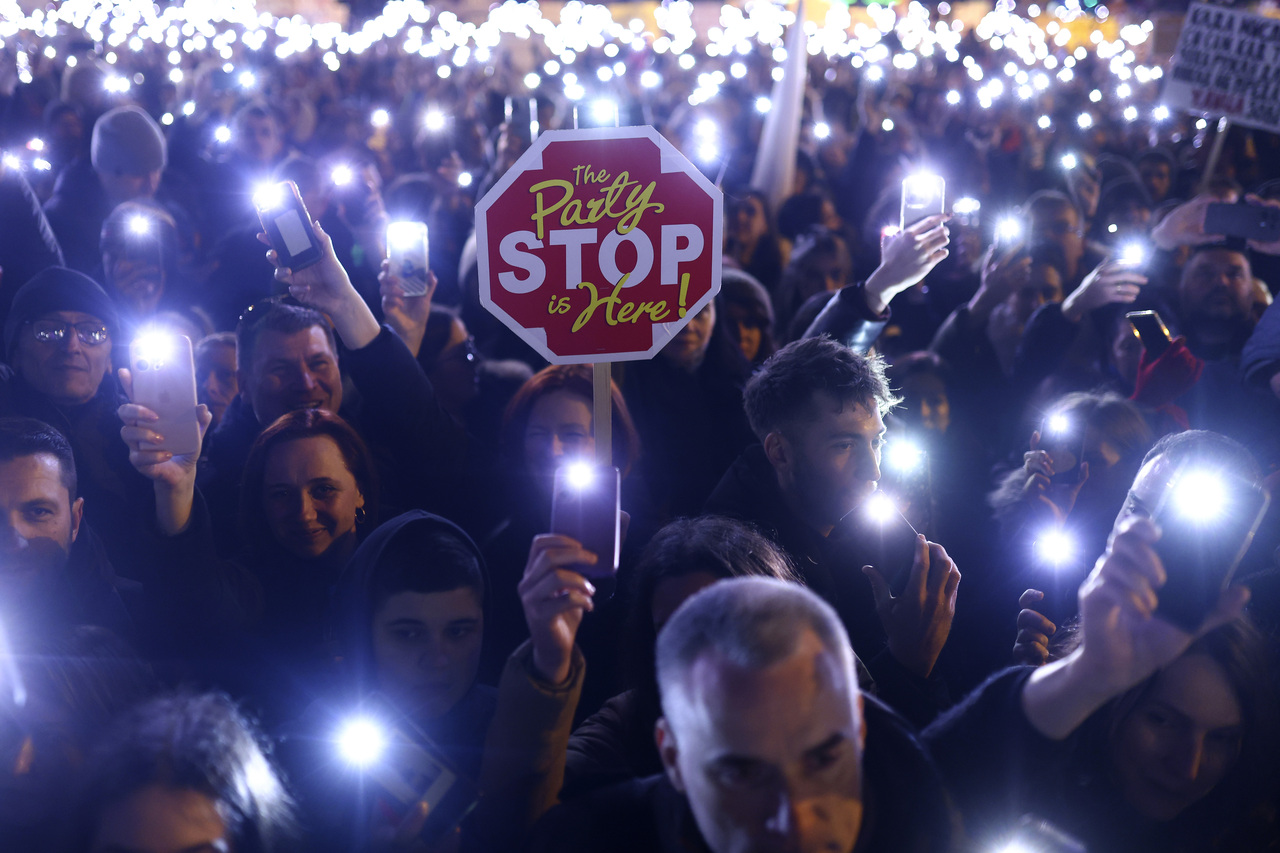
(1151, 331)
(586, 506)
(293, 231)
(922, 196)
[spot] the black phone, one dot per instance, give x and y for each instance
(586, 504)
(288, 225)
(411, 769)
(1249, 221)
(1151, 330)
(1207, 520)
(1062, 437)
(883, 538)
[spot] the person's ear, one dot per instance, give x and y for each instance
(778, 450)
(359, 498)
(669, 752)
(77, 515)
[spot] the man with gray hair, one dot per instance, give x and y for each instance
(766, 743)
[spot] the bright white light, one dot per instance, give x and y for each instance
(1055, 547)
(579, 475)
(247, 79)
(175, 75)
(738, 70)
(650, 79)
(41, 165)
(1132, 253)
(966, 206)
(1084, 120)
(222, 135)
(342, 175)
(1123, 90)
(532, 81)
(874, 73)
(707, 152)
(880, 507)
(763, 104)
(11, 161)
(268, 196)
(380, 118)
(1199, 496)
(433, 121)
(821, 130)
(604, 110)
(1044, 122)
(35, 144)
(1016, 847)
(153, 346)
(1069, 161)
(886, 125)
(1160, 113)
(404, 235)
(139, 224)
(953, 97)
(904, 456)
(361, 742)
(188, 108)
(1131, 113)
(706, 128)
(1095, 95)
(1058, 423)
(465, 179)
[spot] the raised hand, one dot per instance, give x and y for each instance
(908, 257)
(1038, 489)
(1031, 647)
(1112, 282)
(918, 621)
(406, 315)
(555, 599)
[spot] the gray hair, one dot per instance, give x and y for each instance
(752, 622)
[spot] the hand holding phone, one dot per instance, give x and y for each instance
(586, 505)
(923, 195)
(555, 598)
(288, 226)
(162, 379)
(1151, 330)
(1256, 222)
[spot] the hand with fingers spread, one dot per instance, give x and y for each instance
(555, 599)
(406, 315)
(1039, 490)
(1031, 647)
(918, 621)
(908, 257)
(1112, 282)
(1123, 641)
(174, 477)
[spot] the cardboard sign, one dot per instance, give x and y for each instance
(1227, 64)
(599, 245)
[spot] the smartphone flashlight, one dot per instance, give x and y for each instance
(1133, 254)
(1199, 496)
(579, 475)
(923, 195)
(407, 249)
(1055, 547)
(152, 349)
(380, 118)
(1058, 424)
(222, 135)
(139, 224)
(465, 179)
(880, 508)
(904, 456)
(342, 175)
(288, 225)
(361, 741)
(1009, 229)
(1069, 161)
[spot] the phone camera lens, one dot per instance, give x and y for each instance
(143, 364)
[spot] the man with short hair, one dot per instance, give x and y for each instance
(818, 409)
(766, 743)
(52, 574)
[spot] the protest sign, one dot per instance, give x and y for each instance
(1227, 64)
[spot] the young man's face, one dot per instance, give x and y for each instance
(828, 462)
(67, 371)
(770, 760)
(426, 646)
(292, 371)
(38, 523)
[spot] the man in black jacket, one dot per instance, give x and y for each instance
(817, 408)
(766, 743)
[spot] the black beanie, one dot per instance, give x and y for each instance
(57, 289)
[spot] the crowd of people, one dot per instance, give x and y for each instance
(923, 546)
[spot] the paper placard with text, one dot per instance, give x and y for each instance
(1227, 64)
(599, 244)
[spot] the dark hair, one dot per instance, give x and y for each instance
(223, 339)
(426, 558)
(304, 423)
(198, 743)
(800, 213)
(28, 437)
(1044, 201)
(1206, 446)
(576, 379)
(1116, 419)
(782, 390)
(919, 363)
(275, 315)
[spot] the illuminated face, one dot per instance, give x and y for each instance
(216, 377)
(689, 346)
(159, 819)
(1216, 284)
(1181, 739)
(830, 463)
(769, 760)
(293, 371)
(559, 430)
(40, 521)
(426, 648)
(750, 334)
(67, 371)
(310, 496)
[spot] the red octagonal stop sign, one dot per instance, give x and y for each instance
(599, 245)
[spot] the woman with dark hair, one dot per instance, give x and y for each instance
(183, 772)
(749, 314)
(751, 240)
(820, 262)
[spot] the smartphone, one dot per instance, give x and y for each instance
(407, 250)
(288, 225)
(1063, 438)
(1151, 330)
(1250, 221)
(890, 545)
(922, 195)
(411, 769)
(164, 380)
(351, 186)
(586, 504)
(1207, 520)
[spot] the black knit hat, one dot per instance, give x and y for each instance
(57, 289)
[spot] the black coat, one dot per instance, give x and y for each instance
(27, 244)
(905, 807)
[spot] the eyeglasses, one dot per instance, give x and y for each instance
(55, 332)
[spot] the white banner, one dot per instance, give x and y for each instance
(1227, 64)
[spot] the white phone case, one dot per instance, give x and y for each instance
(167, 386)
